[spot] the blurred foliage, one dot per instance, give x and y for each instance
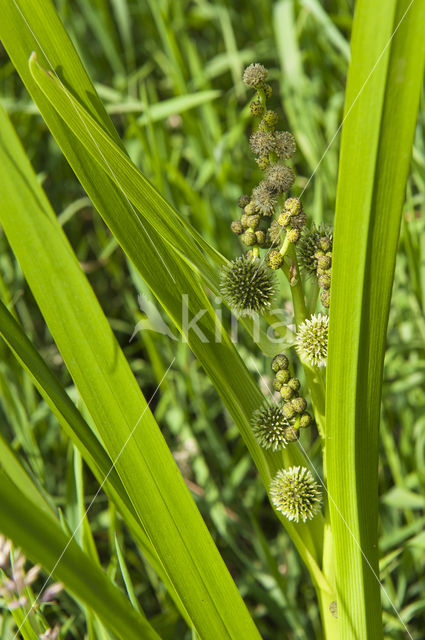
(169, 73)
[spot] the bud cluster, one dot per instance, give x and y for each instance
(294, 405)
(315, 255)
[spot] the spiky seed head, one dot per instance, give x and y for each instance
(243, 200)
(269, 426)
(237, 227)
(295, 493)
(325, 298)
(295, 384)
(293, 235)
(283, 376)
(280, 178)
(274, 232)
(248, 286)
(299, 404)
(292, 434)
(261, 142)
(270, 119)
(256, 108)
(248, 238)
(284, 219)
(274, 259)
(306, 420)
(284, 144)
(309, 245)
(263, 199)
(254, 75)
(286, 392)
(312, 340)
(287, 409)
(280, 361)
(267, 90)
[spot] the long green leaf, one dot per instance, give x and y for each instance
(42, 540)
(382, 100)
(120, 412)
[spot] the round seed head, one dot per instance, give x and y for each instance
(254, 75)
(287, 409)
(280, 362)
(261, 142)
(243, 201)
(269, 426)
(237, 227)
(256, 108)
(280, 178)
(312, 340)
(299, 404)
(286, 392)
(295, 384)
(294, 492)
(284, 144)
(270, 119)
(263, 199)
(274, 259)
(247, 286)
(248, 238)
(306, 420)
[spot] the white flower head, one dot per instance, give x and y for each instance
(295, 493)
(312, 340)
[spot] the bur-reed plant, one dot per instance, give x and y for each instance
(329, 510)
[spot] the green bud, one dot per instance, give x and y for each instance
(263, 162)
(288, 410)
(325, 281)
(325, 243)
(277, 384)
(284, 219)
(248, 238)
(306, 420)
(270, 118)
(293, 235)
(237, 227)
(299, 404)
(286, 392)
(267, 90)
(291, 434)
(283, 375)
(325, 298)
(256, 108)
(253, 220)
(295, 384)
(244, 220)
(293, 205)
(274, 259)
(260, 237)
(324, 262)
(250, 208)
(280, 362)
(243, 201)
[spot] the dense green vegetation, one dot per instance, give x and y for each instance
(169, 75)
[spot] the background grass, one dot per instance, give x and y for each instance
(148, 59)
